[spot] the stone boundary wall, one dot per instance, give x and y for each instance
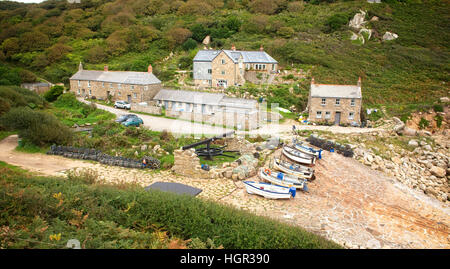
(147, 109)
(246, 121)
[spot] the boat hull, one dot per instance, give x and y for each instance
(298, 156)
(298, 171)
(286, 180)
(268, 190)
(308, 151)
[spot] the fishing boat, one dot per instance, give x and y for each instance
(270, 191)
(281, 179)
(293, 168)
(307, 150)
(298, 156)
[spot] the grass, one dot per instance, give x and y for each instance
(43, 212)
(217, 160)
(28, 147)
(5, 134)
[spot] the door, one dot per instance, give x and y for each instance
(337, 118)
(129, 98)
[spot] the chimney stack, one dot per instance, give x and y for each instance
(80, 67)
(359, 82)
(150, 68)
(261, 48)
(312, 80)
(105, 68)
(233, 47)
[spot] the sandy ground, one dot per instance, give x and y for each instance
(348, 202)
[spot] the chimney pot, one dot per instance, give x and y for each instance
(105, 68)
(359, 81)
(312, 80)
(233, 47)
(261, 48)
(150, 68)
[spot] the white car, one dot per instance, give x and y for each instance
(122, 104)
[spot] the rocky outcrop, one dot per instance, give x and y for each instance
(358, 20)
(389, 36)
(426, 168)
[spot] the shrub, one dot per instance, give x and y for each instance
(423, 123)
(189, 44)
(438, 108)
(336, 21)
(17, 96)
(38, 127)
(54, 93)
(439, 120)
(4, 106)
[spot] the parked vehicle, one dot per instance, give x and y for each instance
(133, 121)
(125, 117)
(298, 156)
(293, 168)
(269, 191)
(308, 150)
(122, 104)
(281, 179)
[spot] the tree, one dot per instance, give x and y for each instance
(263, 6)
(336, 22)
(35, 40)
(178, 35)
(286, 32)
(195, 7)
(57, 52)
(96, 54)
(54, 93)
(199, 32)
(11, 46)
(189, 44)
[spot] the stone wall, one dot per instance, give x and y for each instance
(151, 109)
(345, 107)
(100, 90)
(230, 69)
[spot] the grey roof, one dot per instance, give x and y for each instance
(196, 97)
(193, 97)
(248, 56)
(35, 84)
(336, 91)
(125, 77)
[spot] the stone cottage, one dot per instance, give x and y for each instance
(130, 86)
(338, 104)
(37, 87)
(223, 68)
(214, 108)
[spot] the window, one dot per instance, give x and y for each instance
(324, 101)
(273, 67)
(223, 72)
(248, 66)
(338, 101)
(145, 88)
(118, 93)
(327, 115)
(89, 83)
(223, 61)
(132, 87)
(135, 95)
(103, 84)
(90, 92)
(351, 115)
(79, 83)
(260, 66)
(78, 91)
(352, 102)
(209, 71)
(319, 114)
(119, 86)
(110, 85)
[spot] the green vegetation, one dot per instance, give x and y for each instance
(217, 160)
(71, 111)
(403, 75)
(46, 212)
(423, 123)
(53, 93)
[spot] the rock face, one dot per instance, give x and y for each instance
(413, 143)
(206, 40)
(438, 171)
(358, 20)
(389, 36)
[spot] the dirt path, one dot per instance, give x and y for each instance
(348, 202)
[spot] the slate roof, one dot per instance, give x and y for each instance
(335, 91)
(196, 97)
(193, 97)
(248, 56)
(124, 77)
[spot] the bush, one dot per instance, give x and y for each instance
(189, 44)
(336, 22)
(53, 93)
(4, 106)
(38, 127)
(438, 108)
(423, 123)
(17, 97)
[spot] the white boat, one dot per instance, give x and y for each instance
(281, 179)
(293, 168)
(307, 150)
(298, 156)
(268, 190)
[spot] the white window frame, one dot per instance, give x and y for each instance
(89, 83)
(324, 101)
(119, 86)
(318, 114)
(132, 87)
(209, 71)
(134, 95)
(145, 88)
(352, 102)
(79, 91)
(327, 115)
(351, 115)
(79, 83)
(103, 84)
(338, 101)
(90, 92)
(118, 93)
(223, 61)
(110, 85)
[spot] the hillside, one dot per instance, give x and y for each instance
(403, 75)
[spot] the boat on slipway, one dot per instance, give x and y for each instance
(269, 191)
(298, 145)
(294, 169)
(298, 156)
(281, 179)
